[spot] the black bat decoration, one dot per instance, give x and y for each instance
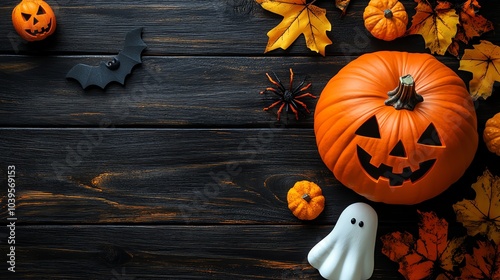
(115, 70)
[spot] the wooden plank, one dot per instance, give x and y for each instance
(199, 27)
(163, 91)
(173, 252)
(180, 176)
(167, 92)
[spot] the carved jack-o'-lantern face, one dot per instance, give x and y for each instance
(396, 127)
(34, 20)
(399, 165)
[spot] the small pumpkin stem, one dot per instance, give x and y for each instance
(388, 13)
(307, 197)
(404, 95)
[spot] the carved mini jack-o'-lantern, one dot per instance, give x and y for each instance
(34, 20)
(396, 127)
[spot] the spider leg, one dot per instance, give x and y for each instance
(281, 109)
(273, 105)
(273, 90)
(277, 82)
(299, 88)
(291, 79)
(271, 80)
(307, 94)
(305, 87)
(303, 105)
(294, 109)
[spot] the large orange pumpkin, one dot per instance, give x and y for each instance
(34, 20)
(396, 127)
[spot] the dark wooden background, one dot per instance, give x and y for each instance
(180, 174)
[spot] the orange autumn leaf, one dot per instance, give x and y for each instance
(484, 63)
(437, 25)
(342, 5)
(431, 256)
(454, 48)
(472, 24)
(482, 214)
(484, 263)
(300, 17)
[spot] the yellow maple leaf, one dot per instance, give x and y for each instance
(482, 214)
(300, 17)
(484, 63)
(437, 25)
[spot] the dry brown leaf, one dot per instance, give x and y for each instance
(484, 63)
(437, 25)
(300, 17)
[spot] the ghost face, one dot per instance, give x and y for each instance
(347, 253)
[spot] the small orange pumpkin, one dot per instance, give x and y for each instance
(34, 20)
(385, 19)
(491, 134)
(306, 200)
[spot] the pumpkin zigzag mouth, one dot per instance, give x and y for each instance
(385, 171)
(42, 31)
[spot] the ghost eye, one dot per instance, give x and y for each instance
(369, 128)
(361, 224)
(353, 221)
(41, 11)
(430, 137)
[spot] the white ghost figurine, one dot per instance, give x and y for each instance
(347, 253)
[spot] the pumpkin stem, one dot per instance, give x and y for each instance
(388, 13)
(307, 197)
(404, 95)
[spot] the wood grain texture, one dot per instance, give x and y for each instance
(198, 27)
(180, 174)
(173, 252)
(165, 176)
(167, 92)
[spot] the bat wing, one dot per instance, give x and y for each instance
(88, 75)
(130, 56)
(115, 70)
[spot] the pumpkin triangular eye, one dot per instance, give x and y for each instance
(369, 128)
(430, 137)
(26, 16)
(398, 150)
(41, 11)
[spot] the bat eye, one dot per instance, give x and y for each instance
(113, 64)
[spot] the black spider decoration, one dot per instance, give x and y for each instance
(288, 99)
